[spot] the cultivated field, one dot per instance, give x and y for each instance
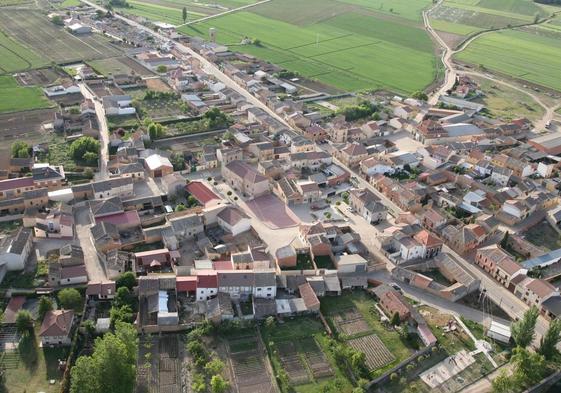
(377, 354)
(15, 57)
(31, 29)
(119, 65)
(249, 367)
(524, 55)
(381, 344)
(17, 98)
(159, 372)
(300, 348)
(350, 45)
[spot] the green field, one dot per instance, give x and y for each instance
(16, 98)
(15, 57)
(523, 55)
(348, 46)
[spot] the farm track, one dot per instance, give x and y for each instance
(452, 72)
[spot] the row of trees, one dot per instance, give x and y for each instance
(528, 367)
(209, 369)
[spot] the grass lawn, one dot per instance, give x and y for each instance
(530, 57)
(70, 3)
(298, 329)
(15, 98)
(348, 46)
(324, 262)
(365, 305)
(36, 366)
(543, 235)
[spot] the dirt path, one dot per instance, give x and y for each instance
(451, 71)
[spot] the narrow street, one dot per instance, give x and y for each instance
(92, 261)
(103, 132)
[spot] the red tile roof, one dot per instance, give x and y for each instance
(186, 284)
(427, 239)
(201, 192)
(10, 184)
(223, 265)
(207, 280)
(57, 323)
(129, 217)
(14, 305)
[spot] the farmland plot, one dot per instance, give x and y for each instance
(292, 363)
(377, 354)
(348, 45)
(31, 29)
(350, 322)
(249, 367)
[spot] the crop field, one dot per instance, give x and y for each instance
(523, 55)
(119, 65)
(248, 366)
(377, 354)
(350, 322)
(343, 44)
(17, 98)
(300, 347)
(15, 57)
(464, 17)
(32, 30)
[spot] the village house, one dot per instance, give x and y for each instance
(500, 265)
(158, 166)
(352, 154)
(233, 220)
(367, 205)
(15, 251)
(244, 178)
(56, 328)
(101, 290)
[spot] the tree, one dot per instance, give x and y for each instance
(45, 305)
(395, 319)
(549, 341)
(90, 158)
(161, 69)
(177, 161)
(503, 383)
(155, 130)
(529, 366)
(20, 149)
(181, 207)
(123, 297)
(70, 299)
(111, 367)
(218, 384)
(121, 314)
(345, 196)
(57, 20)
(83, 145)
(184, 14)
(24, 322)
(192, 201)
(126, 279)
(523, 330)
(419, 95)
(215, 366)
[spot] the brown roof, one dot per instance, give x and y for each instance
(100, 288)
(57, 323)
(10, 184)
(14, 305)
(308, 295)
(232, 215)
(540, 287)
